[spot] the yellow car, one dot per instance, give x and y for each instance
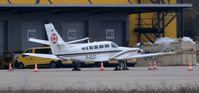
(24, 61)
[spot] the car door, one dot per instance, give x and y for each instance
(27, 60)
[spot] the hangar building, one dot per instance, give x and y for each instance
(125, 22)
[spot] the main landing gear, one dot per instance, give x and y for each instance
(76, 66)
(122, 65)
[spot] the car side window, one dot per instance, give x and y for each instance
(28, 51)
(43, 51)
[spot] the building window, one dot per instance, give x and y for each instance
(31, 33)
(110, 33)
(72, 34)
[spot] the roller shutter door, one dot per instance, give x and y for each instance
(32, 30)
(73, 30)
(112, 31)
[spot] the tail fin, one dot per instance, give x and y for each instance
(57, 44)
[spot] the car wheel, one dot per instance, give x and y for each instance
(20, 65)
(53, 65)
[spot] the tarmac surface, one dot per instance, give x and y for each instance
(92, 78)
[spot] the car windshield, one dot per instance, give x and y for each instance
(28, 51)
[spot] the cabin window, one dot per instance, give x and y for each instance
(96, 46)
(91, 47)
(101, 46)
(86, 48)
(107, 45)
(83, 48)
(113, 45)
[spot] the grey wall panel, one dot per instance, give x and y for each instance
(73, 30)
(14, 35)
(32, 30)
(2, 37)
(86, 24)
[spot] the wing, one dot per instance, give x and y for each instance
(43, 56)
(48, 56)
(130, 55)
(39, 41)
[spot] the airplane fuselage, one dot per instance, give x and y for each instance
(95, 51)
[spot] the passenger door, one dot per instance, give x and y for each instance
(27, 60)
(42, 61)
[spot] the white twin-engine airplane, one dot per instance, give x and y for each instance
(91, 51)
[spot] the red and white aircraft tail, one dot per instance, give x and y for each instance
(56, 43)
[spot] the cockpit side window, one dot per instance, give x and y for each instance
(107, 45)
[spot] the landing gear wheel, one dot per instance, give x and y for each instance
(122, 65)
(76, 66)
(53, 65)
(117, 68)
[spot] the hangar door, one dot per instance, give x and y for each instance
(32, 30)
(73, 30)
(112, 31)
(2, 37)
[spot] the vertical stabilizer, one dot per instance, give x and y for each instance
(56, 42)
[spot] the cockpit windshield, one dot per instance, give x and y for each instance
(114, 45)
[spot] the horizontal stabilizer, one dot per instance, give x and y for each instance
(45, 42)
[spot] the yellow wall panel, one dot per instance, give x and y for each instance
(70, 1)
(110, 1)
(171, 29)
(132, 26)
(23, 1)
(44, 2)
(4, 2)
